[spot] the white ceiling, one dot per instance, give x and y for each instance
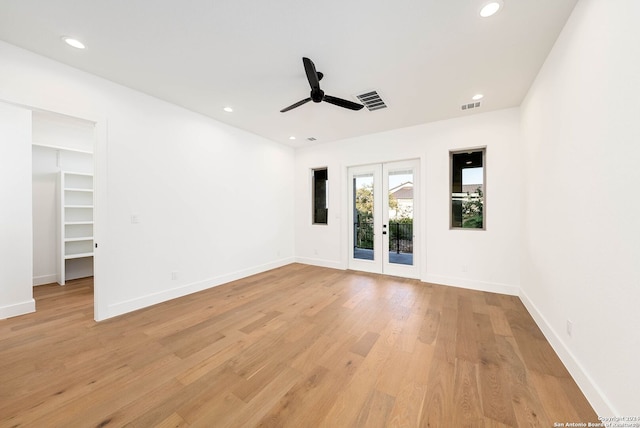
(425, 57)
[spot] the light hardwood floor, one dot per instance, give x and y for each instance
(298, 346)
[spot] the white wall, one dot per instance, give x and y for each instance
(491, 256)
(581, 236)
(45, 218)
(214, 203)
(16, 295)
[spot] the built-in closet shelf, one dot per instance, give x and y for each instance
(84, 238)
(58, 147)
(76, 219)
(77, 256)
(73, 189)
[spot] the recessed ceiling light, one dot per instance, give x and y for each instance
(490, 9)
(73, 42)
(292, 138)
(228, 109)
(477, 97)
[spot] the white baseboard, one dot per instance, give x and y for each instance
(492, 287)
(320, 262)
(121, 308)
(44, 279)
(16, 309)
(594, 395)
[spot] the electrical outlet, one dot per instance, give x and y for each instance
(465, 268)
(174, 275)
(569, 328)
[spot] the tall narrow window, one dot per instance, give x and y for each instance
(320, 190)
(468, 189)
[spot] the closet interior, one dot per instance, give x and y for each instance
(63, 198)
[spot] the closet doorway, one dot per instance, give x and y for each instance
(63, 198)
(383, 213)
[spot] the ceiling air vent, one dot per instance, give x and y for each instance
(311, 139)
(371, 101)
(470, 106)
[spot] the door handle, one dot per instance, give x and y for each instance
(384, 232)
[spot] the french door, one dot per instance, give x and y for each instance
(383, 207)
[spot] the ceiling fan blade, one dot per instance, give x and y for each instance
(312, 74)
(342, 103)
(298, 104)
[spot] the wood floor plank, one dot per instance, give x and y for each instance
(212, 383)
(260, 321)
(376, 410)
(446, 340)
(552, 395)
(438, 408)
(353, 396)
(200, 403)
(408, 405)
(496, 393)
(410, 331)
(212, 361)
(429, 327)
(388, 380)
(466, 395)
(536, 350)
(574, 395)
(499, 321)
(409, 388)
(261, 403)
(311, 396)
(173, 421)
(365, 343)
(467, 332)
(308, 359)
(295, 346)
(526, 404)
(144, 404)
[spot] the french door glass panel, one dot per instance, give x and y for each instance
(365, 222)
(364, 245)
(400, 216)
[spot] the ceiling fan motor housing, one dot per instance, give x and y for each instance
(317, 96)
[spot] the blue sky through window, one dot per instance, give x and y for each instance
(472, 176)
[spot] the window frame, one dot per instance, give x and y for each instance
(313, 196)
(483, 150)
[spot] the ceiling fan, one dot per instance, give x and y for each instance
(317, 95)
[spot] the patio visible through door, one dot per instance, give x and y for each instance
(382, 213)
